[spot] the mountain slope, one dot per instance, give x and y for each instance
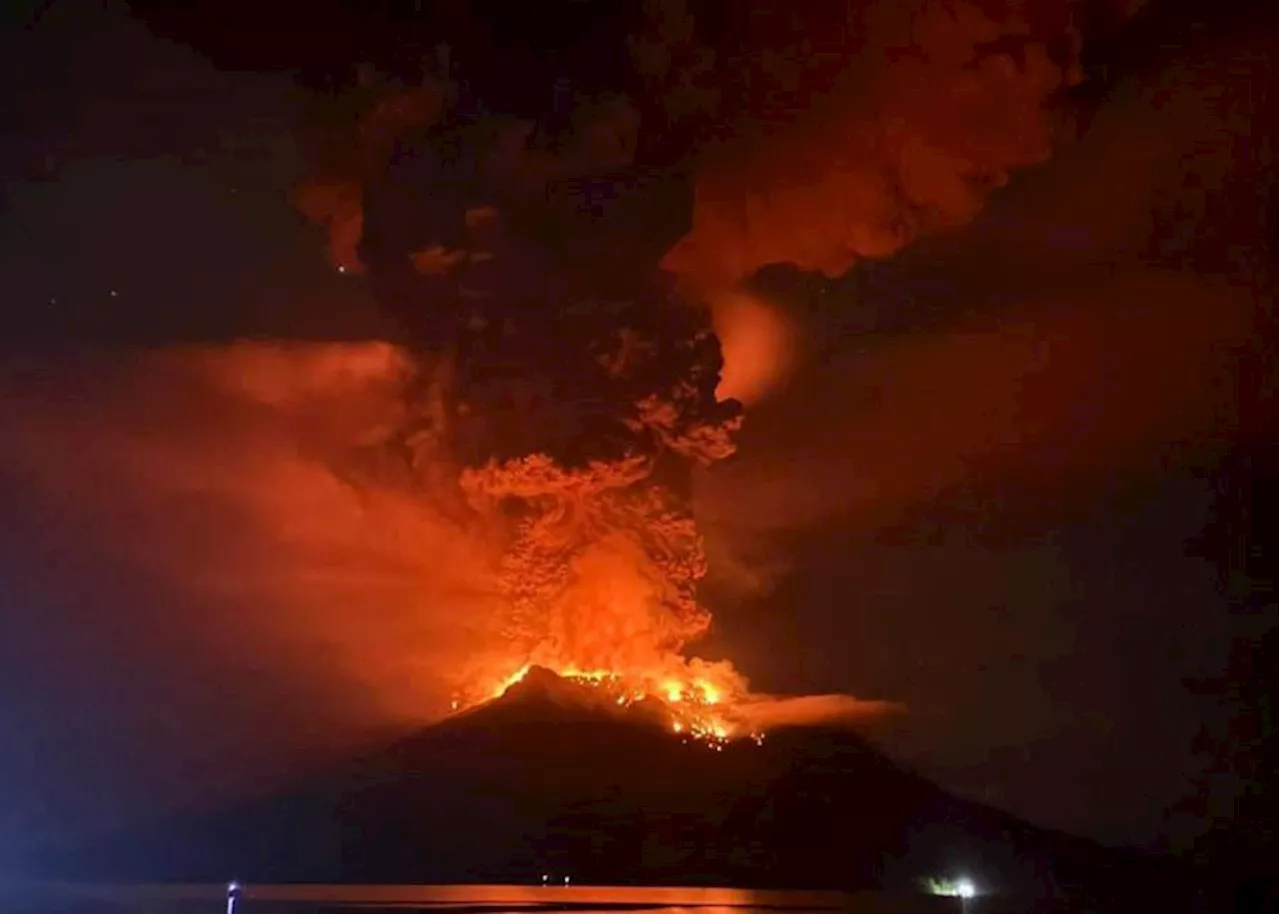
(550, 780)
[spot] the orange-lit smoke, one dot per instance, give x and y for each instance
(1099, 363)
(760, 714)
(598, 579)
(210, 580)
(336, 205)
(902, 131)
(1057, 393)
(913, 114)
(251, 490)
(899, 120)
(232, 478)
(866, 125)
(758, 343)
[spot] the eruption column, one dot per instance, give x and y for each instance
(576, 385)
(573, 391)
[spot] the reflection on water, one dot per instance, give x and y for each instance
(449, 899)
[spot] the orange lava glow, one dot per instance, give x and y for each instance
(704, 703)
(697, 707)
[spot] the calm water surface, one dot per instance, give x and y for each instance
(451, 899)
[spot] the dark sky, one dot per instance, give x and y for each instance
(187, 170)
(978, 493)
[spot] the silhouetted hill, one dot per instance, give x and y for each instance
(550, 780)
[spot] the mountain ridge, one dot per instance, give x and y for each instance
(554, 777)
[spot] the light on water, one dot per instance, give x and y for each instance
(532, 898)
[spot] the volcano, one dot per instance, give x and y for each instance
(553, 779)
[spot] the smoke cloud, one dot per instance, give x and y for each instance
(763, 714)
(1051, 393)
(862, 127)
(1106, 317)
(818, 137)
(235, 565)
(213, 581)
(759, 343)
(900, 120)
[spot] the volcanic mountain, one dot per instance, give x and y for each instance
(552, 778)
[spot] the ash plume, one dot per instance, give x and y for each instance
(1089, 266)
(551, 265)
(816, 136)
(540, 342)
(577, 387)
(845, 131)
(900, 119)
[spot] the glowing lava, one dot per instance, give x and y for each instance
(696, 707)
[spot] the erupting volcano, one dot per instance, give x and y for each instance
(565, 389)
(554, 266)
(553, 777)
(575, 462)
(696, 708)
(446, 574)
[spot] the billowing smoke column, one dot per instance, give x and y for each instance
(557, 275)
(563, 381)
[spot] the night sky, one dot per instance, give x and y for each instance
(1012, 480)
